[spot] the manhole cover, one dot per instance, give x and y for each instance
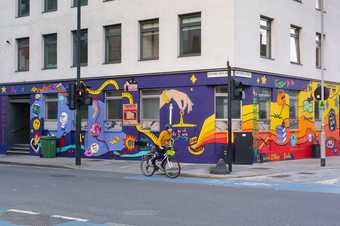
(306, 173)
(30, 220)
(281, 176)
(61, 175)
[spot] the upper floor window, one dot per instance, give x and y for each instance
(50, 51)
(318, 49)
(113, 44)
(149, 39)
(295, 44)
(82, 3)
(50, 5)
(23, 8)
(83, 47)
(265, 37)
(23, 54)
(190, 34)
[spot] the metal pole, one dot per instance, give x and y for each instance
(230, 98)
(323, 135)
(78, 120)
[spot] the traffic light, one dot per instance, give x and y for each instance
(237, 90)
(71, 97)
(83, 96)
(317, 93)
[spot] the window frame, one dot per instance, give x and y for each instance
(74, 38)
(293, 94)
(108, 98)
(51, 98)
(268, 96)
(225, 94)
(19, 47)
(45, 38)
(268, 29)
(296, 36)
(143, 31)
(46, 10)
(106, 28)
(19, 13)
(182, 26)
(146, 96)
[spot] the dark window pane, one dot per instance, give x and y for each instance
(113, 44)
(82, 2)
(50, 51)
(83, 47)
(149, 40)
(23, 54)
(51, 5)
(114, 109)
(23, 7)
(83, 112)
(190, 34)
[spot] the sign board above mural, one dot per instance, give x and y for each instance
(222, 74)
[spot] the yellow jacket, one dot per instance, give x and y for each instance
(164, 138)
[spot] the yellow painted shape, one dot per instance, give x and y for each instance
(103, 86)
(128, 96)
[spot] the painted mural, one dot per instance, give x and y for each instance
(187, 102)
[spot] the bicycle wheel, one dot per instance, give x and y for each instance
(172, 168)
(146, 166)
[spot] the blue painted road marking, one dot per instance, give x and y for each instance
(5, 223)
(279, 186)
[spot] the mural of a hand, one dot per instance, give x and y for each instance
(182, 100)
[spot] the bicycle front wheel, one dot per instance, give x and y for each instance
(172, 168)
(146, 166)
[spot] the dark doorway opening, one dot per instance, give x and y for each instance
(19, 125)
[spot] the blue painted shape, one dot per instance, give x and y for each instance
(5, 223)
(279, 186)
(77, 223)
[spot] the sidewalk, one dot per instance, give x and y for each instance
(307, 170)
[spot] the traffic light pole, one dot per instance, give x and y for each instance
(230, 98)
(78, 120)
(322, 110)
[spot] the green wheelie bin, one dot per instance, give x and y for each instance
(48, 146)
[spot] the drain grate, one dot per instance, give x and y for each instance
(281, 176)
(30, 220)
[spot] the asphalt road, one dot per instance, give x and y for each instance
(118, 199)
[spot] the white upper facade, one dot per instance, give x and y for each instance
(229, 30)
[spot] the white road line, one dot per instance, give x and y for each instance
(70, 218)
(328, 182)
(23, 211)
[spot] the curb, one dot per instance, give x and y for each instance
(34, 164)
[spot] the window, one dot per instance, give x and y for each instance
(150, 104)
(221, 101)
(23, 54)
(113, 44)
(149, 39)
(114, 106)
(50, 51)
(51, 5)
(51, 107)
(264, 104)
(265, 37)
(83, 112)
(190, 34)
(23, 8)
(295, 44)
(83, 47)
(318, 50)
(82, 3)
(293, 109)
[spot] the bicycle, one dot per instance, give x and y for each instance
(168, 163)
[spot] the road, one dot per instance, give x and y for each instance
(125, 200)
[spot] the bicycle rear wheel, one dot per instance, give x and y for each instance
(172, 168)
(146, 166)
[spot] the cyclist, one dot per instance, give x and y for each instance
(163, 143)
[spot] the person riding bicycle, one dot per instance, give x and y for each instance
(163, 143)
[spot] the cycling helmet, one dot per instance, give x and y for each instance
(168, 126)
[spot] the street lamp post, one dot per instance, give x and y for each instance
(322, 112)
(78, 120)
